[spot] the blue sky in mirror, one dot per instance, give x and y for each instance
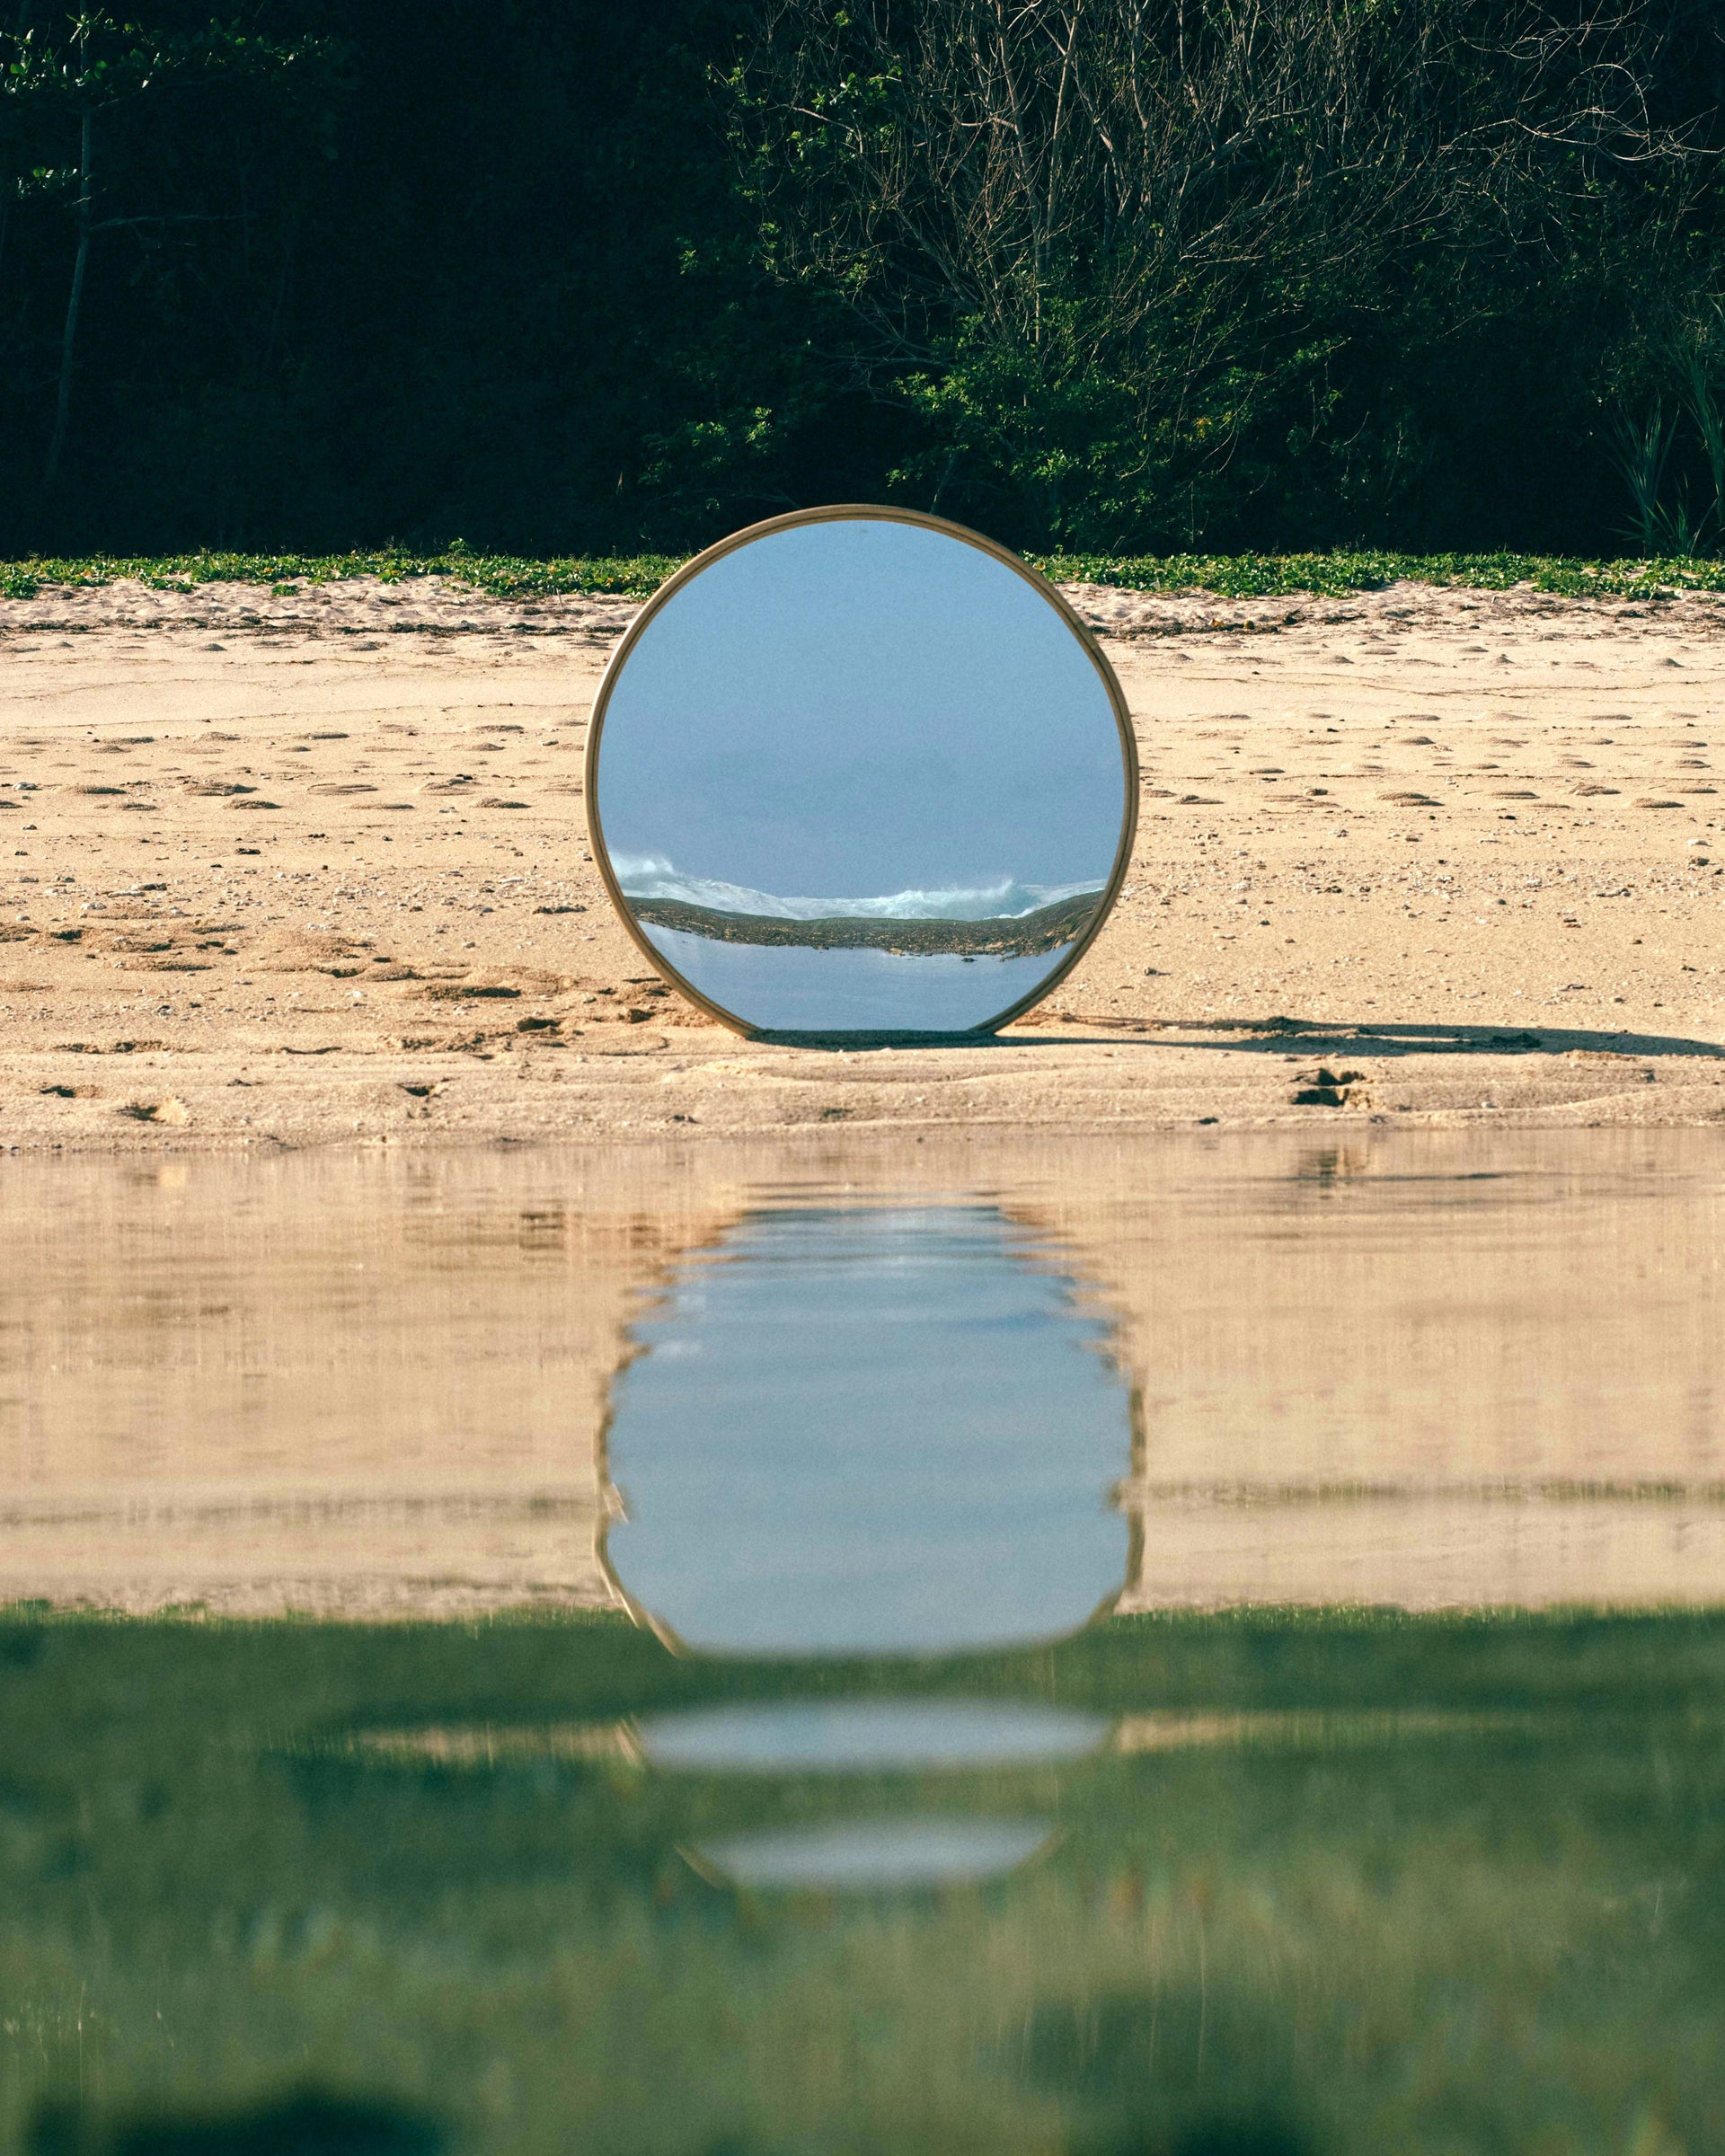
(861, 711)
(879, 1430)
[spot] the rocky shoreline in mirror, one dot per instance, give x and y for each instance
(1020, 936)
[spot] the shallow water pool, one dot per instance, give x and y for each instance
(1095, 1647)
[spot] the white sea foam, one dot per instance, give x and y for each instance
(642, 876)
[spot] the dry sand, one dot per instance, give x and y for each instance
(288, 869)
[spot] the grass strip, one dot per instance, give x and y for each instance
(638, 576)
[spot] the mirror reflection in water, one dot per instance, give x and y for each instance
(870, 1430)
(861, 774)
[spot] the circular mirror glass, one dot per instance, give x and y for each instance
(860, 770)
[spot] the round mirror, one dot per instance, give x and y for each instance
(857, 771)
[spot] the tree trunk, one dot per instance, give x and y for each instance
(74, 299)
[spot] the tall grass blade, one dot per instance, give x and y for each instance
(1640, 454)
(1704, 406)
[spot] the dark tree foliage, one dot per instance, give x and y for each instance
(1094, 273)
(481, 271)
(1170, 272)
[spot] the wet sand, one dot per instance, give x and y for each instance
(305, 869)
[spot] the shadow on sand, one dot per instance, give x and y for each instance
(1275, 1035)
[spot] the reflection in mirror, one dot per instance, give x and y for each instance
(861, 774)
(870, 1430)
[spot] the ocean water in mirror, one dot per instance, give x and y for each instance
(346, 1796)
(860, 775)
(800, 989)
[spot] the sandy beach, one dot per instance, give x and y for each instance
(310, 867)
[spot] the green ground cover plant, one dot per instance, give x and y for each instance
(639, 576)
(1420, 1884)
(500, 576)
